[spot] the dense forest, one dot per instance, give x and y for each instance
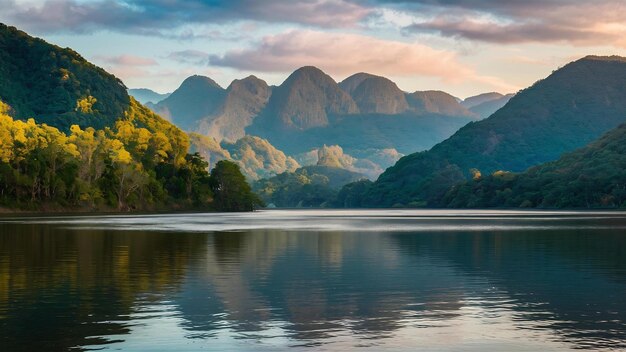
(71, 138)
(591, 177)
(124, 168)
(314, 186)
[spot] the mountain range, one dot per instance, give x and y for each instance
(559, 143)
(308, 99)
(364, 114)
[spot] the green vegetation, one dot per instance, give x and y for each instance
(232, 192)
(128, 167)
(591, 177)
(567, 110)
(56, 86)
(71, 138)
(308, 187)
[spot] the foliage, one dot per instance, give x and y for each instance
(93, 146)
(351, 195)
(591, 177)
(125, 168)
(55, 85)
(231, 191)
(309, 186)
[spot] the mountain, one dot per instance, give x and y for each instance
(196, 98)
(375, 94)
(305, 100)
(71, 138)
(208, 148)
(570, 108)
(259, 159)
(243, 101)
(590, 177)
(41, 80)
(310, 110)
(438, 102)
(144, 95)
(487, 108)
(256, 157)
(472, 101)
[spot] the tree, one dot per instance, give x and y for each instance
(230, 189)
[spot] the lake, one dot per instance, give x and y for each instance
(315, 280)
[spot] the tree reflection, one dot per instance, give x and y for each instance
(63, 288)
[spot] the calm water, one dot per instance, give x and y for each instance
(315, 280)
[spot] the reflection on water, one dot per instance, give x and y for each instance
(387, 280)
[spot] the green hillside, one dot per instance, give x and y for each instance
(572, 107)
(591, 177)
(55, 85)
(71, 138)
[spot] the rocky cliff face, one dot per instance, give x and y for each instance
(375, 94)
(244, 100)
(306, 99)
(438, 102)
(196, 98)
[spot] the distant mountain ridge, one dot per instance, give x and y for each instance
(145, 95)
(197, 97)
(364, 114)
(484, 105)
(308, 99)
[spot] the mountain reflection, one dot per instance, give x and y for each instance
(64, 288)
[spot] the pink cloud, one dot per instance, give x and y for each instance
(580, 23)
(345, 54)
(127, 60)
(342, 54)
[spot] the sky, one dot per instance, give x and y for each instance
(464, 47)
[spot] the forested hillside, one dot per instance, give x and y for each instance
(567, 110)
(55, 85)
(591, 177)
(72, 138)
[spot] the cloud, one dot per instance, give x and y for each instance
(193, 57)
(343, 54)
(510, 33)
(576, 22)
(127, 60)
(149, 17)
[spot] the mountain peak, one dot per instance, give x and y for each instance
(351, 83)
(480, 98)
(375, 94)
(197, 97)
(307, 97)
(603, 58)
(436, 101)
(308, 70)
(199, 82)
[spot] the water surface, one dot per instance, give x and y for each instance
(315, 280)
